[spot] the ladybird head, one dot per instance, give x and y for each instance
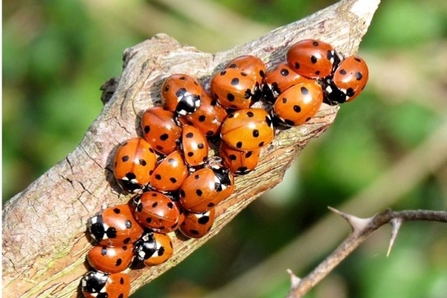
(96, 228)
(94, 281)
(146, 246)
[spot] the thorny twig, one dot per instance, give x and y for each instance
(361, 229)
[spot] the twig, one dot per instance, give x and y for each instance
(361, 229)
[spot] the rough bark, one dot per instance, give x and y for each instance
(44, 243)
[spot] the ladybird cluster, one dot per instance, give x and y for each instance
(175, 182)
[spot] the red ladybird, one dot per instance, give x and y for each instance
(237, 161)
(114, 226)
(348, 80)
(312, 58)
(247, 129)
(205, 188)
(95, 284)
(153, 248)
(110, 259)
(181, 94)
(298, 104)
(134, 162)
(160, 130)
(156, 211)
(195, 146)
(197, 225)
(251, 65)
(234, 88)
(208, 118)
(169, 173)
(280, 79)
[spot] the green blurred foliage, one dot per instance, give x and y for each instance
(56, 55)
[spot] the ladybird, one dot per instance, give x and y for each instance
(110, 259)
(247, 129)
(280, 79)
(96, 284)
(298, 104)
(348, 80)
(181, 94)
(205, 188)
(208, 118)
(251, 65)
(312, 58)
(156, 211)
(134, 162)
(153, 248)
(194, 145)
(114, 226)
(160, 130)
(169, 173)
(197, 225)
(237, 161)
(234, 88)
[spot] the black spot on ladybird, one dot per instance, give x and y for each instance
(203, 220)
(199, 192)
(250, 114)
(358, 76)
(235, 81)
(296, 108)
(125, 158)
(142, 162)
(147, 129)
(313, 59)
(255, 133)
(284, 72)
(181, 92)
(164, 137)
(202, 118)
(304, 91)
(239, 144)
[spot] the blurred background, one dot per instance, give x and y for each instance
(386, 149)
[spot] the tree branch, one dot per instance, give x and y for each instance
(44, 243)
(361, 229)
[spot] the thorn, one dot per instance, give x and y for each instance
(357, 224)
(395, 225)
(294, 280)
